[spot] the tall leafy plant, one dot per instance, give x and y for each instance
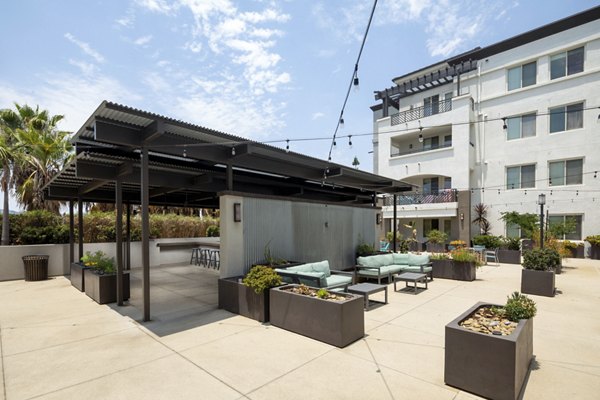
(480, 219)
(527, 222)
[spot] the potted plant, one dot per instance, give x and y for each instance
(77, 269)
(488, 348)
(594, 242)
(272, 261)
(101, 278)
(460, 265)
(509, 251)
(331, 317)
(436, 240)
(537, 276)
(457, 244)
(365, 249)
(575, 250)
(249, 296)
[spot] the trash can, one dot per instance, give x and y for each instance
(36, 267)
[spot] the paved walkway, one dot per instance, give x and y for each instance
(56, 343)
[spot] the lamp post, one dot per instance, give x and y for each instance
(541, 202)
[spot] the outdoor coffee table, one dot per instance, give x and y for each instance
(366, 289)
(411, 277)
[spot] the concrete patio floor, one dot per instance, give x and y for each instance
(56, 343)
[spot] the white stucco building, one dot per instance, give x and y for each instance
(498, 125)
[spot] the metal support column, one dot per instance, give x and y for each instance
(119, 239)
(128, 238)
(80, 226)
(395, 228)
(71, 233)
(229, 177)
(145, 233)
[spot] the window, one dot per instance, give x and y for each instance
(431, 143)
(573, 221)
(429, 225)
(568, 172)
(513, 230)
(447, 183)
(447, 102)
(447, 140)
(448, 227)
(431, 186)
(521, 177)
(431, 105)
(566, 63)
(565, 118)
(522, 76)
(520, 127)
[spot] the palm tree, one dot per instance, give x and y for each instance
(47, 150)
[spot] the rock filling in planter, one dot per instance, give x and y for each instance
(489, 321)
(321, 293)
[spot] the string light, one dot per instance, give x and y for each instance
(287, 146)
(184, 152)
(350, 141)
(420, 134)
(504, 123)
(341, 122)
(233, 150)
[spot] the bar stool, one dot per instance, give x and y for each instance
(204, 257)
(195, 256)
(214, 260)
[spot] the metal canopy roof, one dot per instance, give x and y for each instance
(189, 165)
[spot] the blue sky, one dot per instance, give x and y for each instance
(261, 69)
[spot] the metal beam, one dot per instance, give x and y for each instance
(80, 226)
(91, 186)
(119, 240)
(144, 190)
(71, 233)
(153, 131)
(128, 238)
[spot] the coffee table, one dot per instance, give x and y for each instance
(365, 289)
(413, 277)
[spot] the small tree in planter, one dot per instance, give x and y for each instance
(436, 240)
(488, 241)
(509, 251)
(101, 278)
(594, 242)
(488, 348)
(537, 276)
(249, 296)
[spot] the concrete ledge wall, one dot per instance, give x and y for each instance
(11, 264)
(293, 229)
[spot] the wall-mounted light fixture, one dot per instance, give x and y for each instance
(378, 218)
(237, 212)
(462, 216)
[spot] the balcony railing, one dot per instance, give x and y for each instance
(421, 112)
(442, 196)
(413, 151)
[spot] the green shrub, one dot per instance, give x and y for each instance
(464, 255)
(365, 249)
(38, 227)
(439, 256)
(518, 306)
(512, 243)
(489, 241)
(99, 261)
(213, 231)
(594, 240)
(261, 278)
(322, 293)
(545, 259)
(437, 237)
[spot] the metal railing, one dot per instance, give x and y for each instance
(421, 112)
(413, 151)
(442, 196)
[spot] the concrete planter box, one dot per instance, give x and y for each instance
(594, 252)
(577, 252)
(509, 256)
(238, 298)
(458, 271)
(540, 283)
(77, 276)
(491, 366)
(103, 288)
(338, 323)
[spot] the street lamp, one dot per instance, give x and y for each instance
(541, 202)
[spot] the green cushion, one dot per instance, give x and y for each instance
(286, 279)
(383, 271)
(418, 259)
(335, 280)
(415, 268)
(394, 269)
(301, 268)
(384, 259)
(400, 258)
(322, 266)
(367, 261)
(311, 282)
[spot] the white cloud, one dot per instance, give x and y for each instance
(159, 6)
(86, 68)
(85, 47)
(156, 83)
(317, 115)
(143, 40)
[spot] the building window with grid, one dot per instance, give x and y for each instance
(567, 221)
(567, 172)
(522, 76)
(513, 230)
(565, 118)
(521, 177)
(566, 63)
(520, 127)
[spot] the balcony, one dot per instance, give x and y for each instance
(421, 112)
(421, 150)
(442, 196)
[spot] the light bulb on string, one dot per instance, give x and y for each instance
(287, 146)
(350, 141)
(233, 150)
(355, 84)
(504, 123)
(184, 152)
(341, 122)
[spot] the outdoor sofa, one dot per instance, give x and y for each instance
(316, 274)
(386, 265)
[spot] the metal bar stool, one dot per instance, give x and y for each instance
(214, 259)
(195, 256)
(204, 257)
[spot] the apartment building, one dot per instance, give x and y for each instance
(497, 125)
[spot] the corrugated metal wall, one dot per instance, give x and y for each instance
(305, 232)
